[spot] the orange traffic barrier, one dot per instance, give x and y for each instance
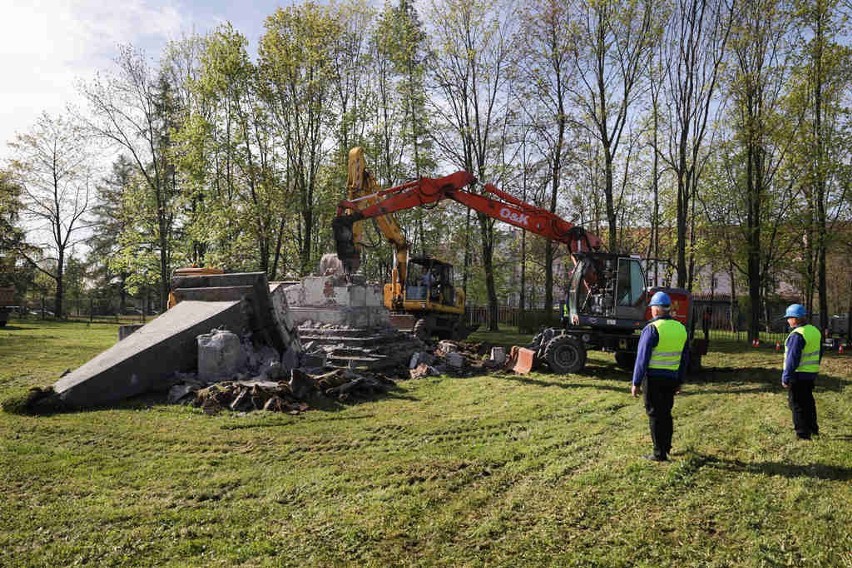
(777, 346)
(525, 362)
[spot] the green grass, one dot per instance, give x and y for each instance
(489, 470)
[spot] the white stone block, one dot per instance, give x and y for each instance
(220, 355)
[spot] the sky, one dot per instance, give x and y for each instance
(48, 46)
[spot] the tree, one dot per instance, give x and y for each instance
(695, 41)
(612, 45)
(544, 76)
(110, 221)
(130, 111)
(760, 69)
(402, 125)
(821, 156)
(225, 148)
(469, 65)
(12, 237)
(296, 71)
(51, 165)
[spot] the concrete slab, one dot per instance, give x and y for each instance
(141, 362)
(253, 289)
(283, 318)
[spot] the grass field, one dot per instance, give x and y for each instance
(497, 470)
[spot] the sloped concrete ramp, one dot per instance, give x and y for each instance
(145, 359)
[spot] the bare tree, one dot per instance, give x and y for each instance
(545, 74)
(472, 53)
(695, 43)
(760, 74)
(611, 49)
(51, 165)
(128, 112)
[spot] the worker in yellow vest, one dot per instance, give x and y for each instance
(661, 361)
(802, 355)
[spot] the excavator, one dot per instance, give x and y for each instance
(607, 300)
(420, 295)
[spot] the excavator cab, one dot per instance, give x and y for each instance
(430, 280)
(607, 291)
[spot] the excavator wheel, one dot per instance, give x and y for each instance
(565, 354)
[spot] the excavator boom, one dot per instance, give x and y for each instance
(426, 191)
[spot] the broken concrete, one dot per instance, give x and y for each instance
(334, 301)
(266, 312)
(374, 349)
(220, 355)
(144, 360)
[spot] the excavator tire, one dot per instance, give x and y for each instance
(565, 354)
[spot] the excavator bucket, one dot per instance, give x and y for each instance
(524, 361)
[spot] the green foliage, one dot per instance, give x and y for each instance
(491, 469)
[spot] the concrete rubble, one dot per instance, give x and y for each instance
(292, 396)
(147, 359)
(237, 342)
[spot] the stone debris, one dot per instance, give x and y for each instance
(377, 348)
(237, 342)
(220, 355)
(293, 397)
(423, 370)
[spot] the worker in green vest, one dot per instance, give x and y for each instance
(661, 361)
(802, 354)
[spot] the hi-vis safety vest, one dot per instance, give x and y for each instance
(809, 363)
(666, 354)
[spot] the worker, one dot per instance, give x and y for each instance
(802, 355)
(661, 361)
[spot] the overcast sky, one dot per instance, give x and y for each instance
(47, 46)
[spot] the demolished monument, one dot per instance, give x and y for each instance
(224, 324)
(147, 360)
(345, 319)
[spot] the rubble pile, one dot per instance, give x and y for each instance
(456, 358)
(292, 396)
(238, 342)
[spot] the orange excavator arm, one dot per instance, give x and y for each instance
(425, 191)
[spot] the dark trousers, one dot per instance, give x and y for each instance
(659, 400)
(800, 395)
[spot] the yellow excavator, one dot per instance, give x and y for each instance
(421, 295)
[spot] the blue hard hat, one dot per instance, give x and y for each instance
(795, 311)
(660, 299)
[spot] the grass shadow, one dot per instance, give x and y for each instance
(769, 379)
(533, 381)
(813, 470)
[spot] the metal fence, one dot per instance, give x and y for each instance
(713, 319)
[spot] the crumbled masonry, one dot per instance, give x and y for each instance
(235, 342)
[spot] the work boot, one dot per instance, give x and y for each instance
(655, 458)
